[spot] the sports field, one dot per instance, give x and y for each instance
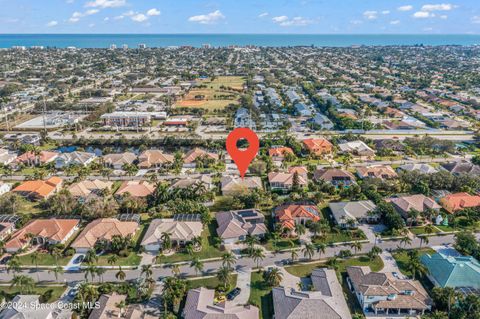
(216, 94)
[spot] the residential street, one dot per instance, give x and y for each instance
(211, 267)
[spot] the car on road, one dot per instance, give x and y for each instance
(234, 293)
(5, 259)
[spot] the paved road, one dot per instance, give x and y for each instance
(210, 268)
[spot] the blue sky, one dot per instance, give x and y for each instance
(239, 16)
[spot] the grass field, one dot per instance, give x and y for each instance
(210, 282)
(131, 260)
(261, 295)
(43, 260)
(215, 93)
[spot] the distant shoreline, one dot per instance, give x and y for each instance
(225, 40)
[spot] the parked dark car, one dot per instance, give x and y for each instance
(79, 259)
(232, 294)
(5, 260)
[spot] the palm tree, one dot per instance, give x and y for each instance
(293, 255)
(120, 275)
(356, 246)
(300, 229)
(223, 275)
(197, 265)
(34, 258)
(405, 241)
(91, 256)
(166, 241)
(174, 290)
(197, 242)
(423, 240)
(321, 248)
(374, 252)
(112, 259)
(175, 270)
(229, 260)
(90, 270)
(189, 249)
(56, 271)
(275, 239)
(13, 265)
(147, 271)
(100, 272)
(87, 293)
(333, 263)
(251, 241)
(24, 283)
(274, 277)
(257, 256)
(414, 264)
(308, 251)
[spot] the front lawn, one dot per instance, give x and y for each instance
(131, 260)
(283, 243)
(261, 295)
(208, 249)
(305, 270)
(49, 293)
(44, 259)
(210, 282)
(420, 230)
(341, 236)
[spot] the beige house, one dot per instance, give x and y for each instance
(200, 304)
(285, 181)
(136, 188)
(116, 161)
(154, 159)
(103, 229)
(232, 185)
(180, 228)
(86, 189)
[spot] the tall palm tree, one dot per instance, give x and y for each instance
(34, 258)
(175, 270)
(405, 240)
(100, 272)
(300, 229)
(321, 248)
(229, 260)
(112, 259)
(414, 265)
(424, 240)
(257, 256)
(223, 275)
(24, 283)
(308, 251)
(356, 246)
(293, 255)
(333, 263)
(91, 270)
(251, 241)
(13, 265)
(197, 265)
(166, 241)
(275, 238)
(274, 277)
(120, 275)
(57, 270)
(147, 271)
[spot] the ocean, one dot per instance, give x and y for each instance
(223, 40)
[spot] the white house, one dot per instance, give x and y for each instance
(74, 158)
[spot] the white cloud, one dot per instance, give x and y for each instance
(91, 25)
(438, 7)
(423, 15)
(386, 12)
(120, 17)
(52, 23)
(139, 17)
(405, 8)
(106, 3)
(285, 21)
(153, 12)
(356, 22)
(444, 16)
(428, 29)
(209, 18)
(370, 15)
(77, 15)
(263, 15)
(394, 22)
(280, 19)
(476, 19)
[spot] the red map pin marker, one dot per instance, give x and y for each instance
(242, 158)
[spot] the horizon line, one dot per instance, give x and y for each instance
(283, 34)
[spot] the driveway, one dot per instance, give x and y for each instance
(243, 282)
(390, 265)
(148, 258)
(71, 264)
(370, 229)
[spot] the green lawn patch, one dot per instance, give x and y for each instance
(305, 270)
(131, 260)
(50, 293)
(282, 244)
(210, 282)
(208, 248)
(261, 295)
(44, 259)
(341, 236)
(420, 230)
